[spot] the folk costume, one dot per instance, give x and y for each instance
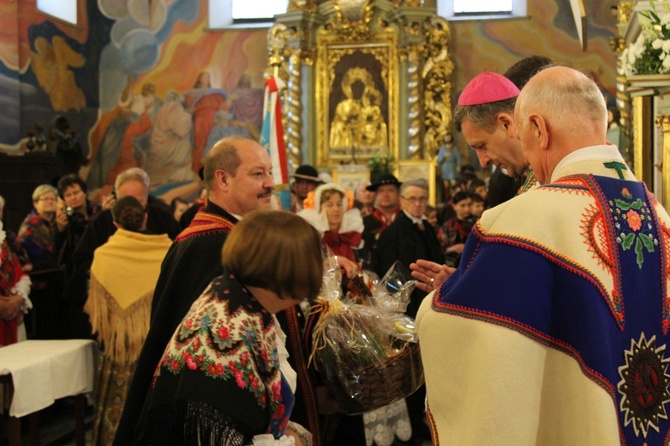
(36, 235)
(123, 277)
(192, 262)
(376, 222)
(219, 380)
(348, 237)
(554, 329)
(12, 281)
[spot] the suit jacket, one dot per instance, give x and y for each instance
(404, 241)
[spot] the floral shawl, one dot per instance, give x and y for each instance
(219, 380)
(37, 237)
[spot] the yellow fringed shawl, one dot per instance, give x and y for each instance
(123, 278)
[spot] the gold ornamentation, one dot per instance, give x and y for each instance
(618, 44)
(356, 92)
(351, 20)
(301, 5)
(413, 100)
(293, 108)
(437, 86)
(624, 11)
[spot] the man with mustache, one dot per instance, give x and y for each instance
(238, 177)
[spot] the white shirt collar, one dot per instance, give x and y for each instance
(591, 153)
(414, 219)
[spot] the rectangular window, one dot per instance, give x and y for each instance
(482, 6)
(258, 10)
(244, 13)
(480, 9)
(65, 10)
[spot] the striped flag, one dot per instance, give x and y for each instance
(272, 139)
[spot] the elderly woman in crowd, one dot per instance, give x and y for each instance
(224, 377)
(38, 230)
(340, 226)
(123, 277)
(37, 235)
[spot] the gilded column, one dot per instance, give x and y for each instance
(293, 108)
(639, 137)
(414, 105)
(663, 122)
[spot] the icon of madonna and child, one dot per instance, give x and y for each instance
(358, 127)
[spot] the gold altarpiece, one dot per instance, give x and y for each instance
(644, 101)
(363, 78)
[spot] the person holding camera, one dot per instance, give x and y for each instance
(73, 215)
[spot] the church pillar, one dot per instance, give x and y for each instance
(663, 122)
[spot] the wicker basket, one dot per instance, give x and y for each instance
(380, 384)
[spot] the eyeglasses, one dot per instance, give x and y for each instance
(415, 200)
(47, 199)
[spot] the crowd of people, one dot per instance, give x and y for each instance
(540, 303)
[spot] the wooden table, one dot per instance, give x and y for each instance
(34, 374)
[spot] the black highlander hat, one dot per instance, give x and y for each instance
(387, 178)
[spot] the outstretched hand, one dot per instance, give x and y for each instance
(430, 275)
(349, 268)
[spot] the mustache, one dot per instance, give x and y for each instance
(267, 192)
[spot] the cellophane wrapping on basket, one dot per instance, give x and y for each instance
(367, 357)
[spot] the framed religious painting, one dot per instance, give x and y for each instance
(415, 169)
(349, 177)
(357, 99)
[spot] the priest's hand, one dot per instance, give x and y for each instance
(430, 275)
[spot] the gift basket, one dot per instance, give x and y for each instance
(363, 345)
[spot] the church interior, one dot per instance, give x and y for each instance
(366, 87)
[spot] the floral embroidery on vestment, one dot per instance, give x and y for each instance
(632, 220)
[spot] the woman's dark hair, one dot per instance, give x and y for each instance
(129, 214)
(70, 180)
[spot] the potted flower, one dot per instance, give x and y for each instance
(650, 54)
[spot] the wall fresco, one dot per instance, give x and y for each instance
(129, 78)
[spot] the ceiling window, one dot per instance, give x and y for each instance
(61, 9)
(480, 9)
(244, 13)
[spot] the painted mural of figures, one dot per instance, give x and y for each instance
(227, 125)
(247, 102)
(203, 102)
(135, 143)
(51, 64)
(122, 145)
(170, 152)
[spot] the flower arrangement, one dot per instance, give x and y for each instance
(650, 54)
(380, 162)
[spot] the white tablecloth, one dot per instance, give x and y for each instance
(43, 371)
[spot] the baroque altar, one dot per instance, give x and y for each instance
(364, 79)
